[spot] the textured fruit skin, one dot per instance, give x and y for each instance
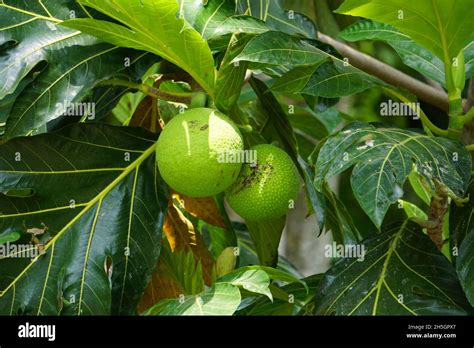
(264, 192)
(189, 152)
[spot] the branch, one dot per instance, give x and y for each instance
(470, 147)
(385, 72)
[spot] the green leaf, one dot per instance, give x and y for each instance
(402, 273)
(128, 101)
(279, 274)
(101, 215)
(253, 280)
(221, 299)
(127, 106)
(469, 58)
(106, 97)
(465, 266)
(318, 203)
(271, 11)
(461, 221)
(383, 159)
(240, 24)
(206, 16)
(23, 23)
(428, 22)
(216, 238)
(313, 71)
(230, 77)
(339, 220)
(277, 48)
(47, 66)
(305, 144)
(6, 104)
(337, 79)
(226, 261)
(420, 186)
(295, 80)
(270, 107)
(324, 105)
(412, 210)
(412, 54)
(290, 299)
(151, 25)
(9, 237)
(183, 269)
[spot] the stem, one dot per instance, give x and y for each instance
(469, 115)
(239, 116)
(151, 91)
(389, 74)
(470, 147)
(456, 118)
(245, 128)
(454, 90)
(468, 131)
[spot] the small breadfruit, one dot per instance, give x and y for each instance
(266, 188)
(195, 150)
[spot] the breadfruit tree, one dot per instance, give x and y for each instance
(153, 151)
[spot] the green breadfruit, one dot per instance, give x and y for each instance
(193, 152)
(265, 189)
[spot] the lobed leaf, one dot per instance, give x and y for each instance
(45, 67)
(100, 219)
(465, 266)
(428, 22)
(152, 25)
(383, 158)
(400, 273)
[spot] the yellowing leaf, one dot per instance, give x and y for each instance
(181, 236)
(202, 208)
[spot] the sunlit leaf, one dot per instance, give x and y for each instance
(312, 71)
(46, 68)
(253, 280)
(428, 22)
(221, 299)
(272, 12)
(152, 25)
